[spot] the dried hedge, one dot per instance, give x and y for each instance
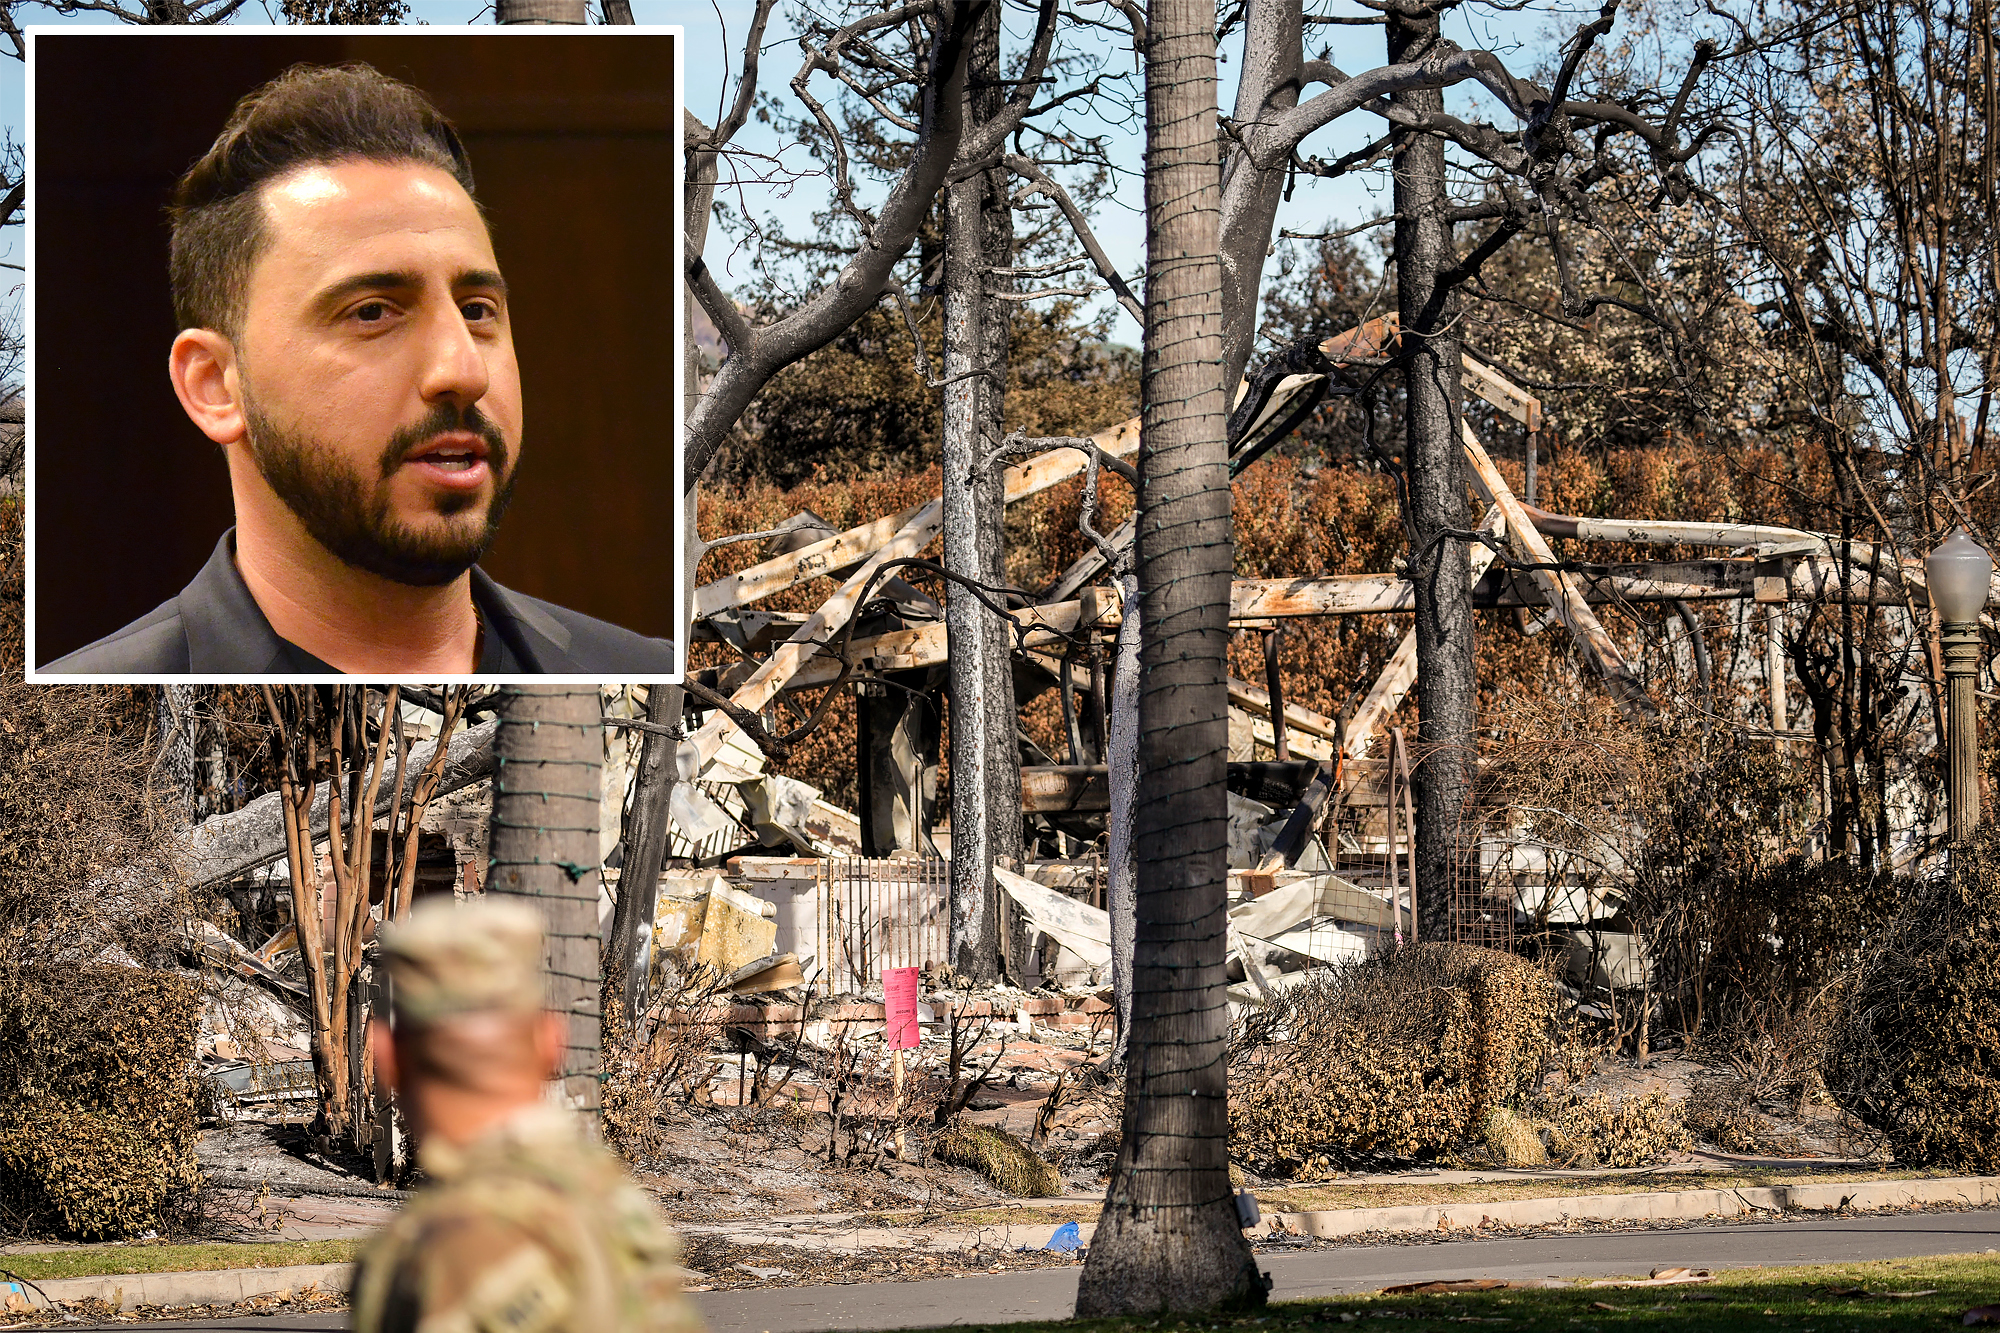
(1632, 1131)
(97, 1106)
(1000, 1157)
(1402, 1055)
(97, 1098)
(1916, 1053)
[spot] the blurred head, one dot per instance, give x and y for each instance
(493, 1054)
(345, 329)
(473, 1039)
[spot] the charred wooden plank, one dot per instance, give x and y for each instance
(1065, 789)
(1500, 391)
(783, 664)
(1247, 696)
(836, 555)
(1558, 589)
(1338, 595)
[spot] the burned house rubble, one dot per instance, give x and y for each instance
(776, 912)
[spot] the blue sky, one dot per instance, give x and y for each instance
(715, 33)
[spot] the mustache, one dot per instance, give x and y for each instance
(445, 416)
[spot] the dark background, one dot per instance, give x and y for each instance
(574, 156)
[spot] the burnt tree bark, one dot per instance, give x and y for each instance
(1121, 758)
(758, 352)
(629, 959)
(1169, 1238)
(1427, 303)
(986, 760)
(1268, 89)
(547, 762)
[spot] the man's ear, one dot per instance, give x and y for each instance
(202, 366)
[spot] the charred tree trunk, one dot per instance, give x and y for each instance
(629, 960)
(174, 766)
(1169, 1237)
(1121, 757)
(546, 765)
(1003, 714)
(1432, 463)
(986, 761)
(540, 11)
(1273, 45)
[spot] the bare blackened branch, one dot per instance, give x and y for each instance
(921, 359)
(862, 279)
(1387, 219)
(1118, 561)
(746, 86)
(1039, 183)
(1467, 269)
(1040, 292)
(1578, 47)
(1136, 17)
(873, 97)
(729, 321)
(1018, 444)
(776, 748)
(993, 133)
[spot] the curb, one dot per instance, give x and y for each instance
(1973, 1191)
(1693, 1205)
(227, 1286)
(215, 1286)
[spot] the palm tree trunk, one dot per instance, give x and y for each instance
(548, 758)
(1169, 1238)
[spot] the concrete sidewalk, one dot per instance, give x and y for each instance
(226, 1286)
(1964, 1191)
(840, 1233)
(1310, 1273)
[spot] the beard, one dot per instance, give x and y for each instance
(349, 514)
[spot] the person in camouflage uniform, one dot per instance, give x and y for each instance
(528, 1226)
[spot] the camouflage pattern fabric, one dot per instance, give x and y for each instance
(531, 1229)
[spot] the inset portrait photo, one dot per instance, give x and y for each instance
(354, 351)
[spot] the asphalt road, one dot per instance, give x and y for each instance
(1050, 1293)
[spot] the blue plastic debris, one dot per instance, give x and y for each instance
(1067, 1239)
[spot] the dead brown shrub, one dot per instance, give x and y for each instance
(97, 1098)
(1600, 1131)
(649, 1081)
(1401, 1056)
(1916, 1053)
(1000, 1157)
(96, 1105)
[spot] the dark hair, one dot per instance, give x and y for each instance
(308, 114)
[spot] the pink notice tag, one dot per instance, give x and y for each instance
(899, 998)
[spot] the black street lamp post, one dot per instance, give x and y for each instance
(1959, 573)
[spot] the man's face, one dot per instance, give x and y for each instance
(376, 365)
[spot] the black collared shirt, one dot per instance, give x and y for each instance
(214, 627)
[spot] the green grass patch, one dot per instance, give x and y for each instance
(105, 1260)
(1796, 1299)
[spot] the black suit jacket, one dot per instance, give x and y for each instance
(214, 627)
